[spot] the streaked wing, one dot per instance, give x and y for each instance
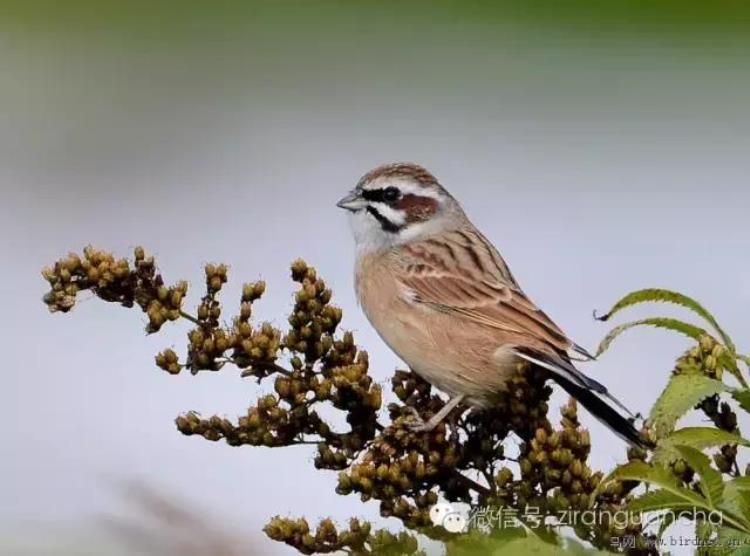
(462, 273)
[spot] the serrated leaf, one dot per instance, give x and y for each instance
(689, 330)
(657, 500)
(742, 397)
(711, 482)
(668, 296)
(741, 483)
(666, 520)
(656, 475)
(476, 543)
(572, 546)
(705, 437)
(730, 541)
(663, 478)
(703, 530)
(699, 438)
(737, 497)
(681, 394)
(534, 545)
(729, 361)
(527, 545)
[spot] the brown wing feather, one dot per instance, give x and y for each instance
(463, 274)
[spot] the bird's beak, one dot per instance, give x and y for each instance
(353, 202)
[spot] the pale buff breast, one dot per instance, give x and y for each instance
(454, 354)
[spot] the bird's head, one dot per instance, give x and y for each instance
(398, 203)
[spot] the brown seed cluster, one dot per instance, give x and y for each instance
(115, 280)
(555, 477)
(400, 469)
(95, 270)
(313, 320)
(710, 358)
(358, 539)
(407, 471)
(211, 346)
(707, 357)
(521, 409)
(312, 365)
(169, 361)
(555, 461)
(324, 367)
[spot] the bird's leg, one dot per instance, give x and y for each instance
(414, 414)
(435, 420)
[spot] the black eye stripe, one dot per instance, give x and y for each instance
(387, 195)
(375, 195)
(386, 224)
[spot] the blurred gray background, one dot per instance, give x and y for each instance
(601, 152)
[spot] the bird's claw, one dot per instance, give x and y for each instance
(416, 423)
(420, 427)
(414, 419)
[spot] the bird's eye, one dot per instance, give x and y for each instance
(391, 194)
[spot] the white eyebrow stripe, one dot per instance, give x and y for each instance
(409, 188)
(405, 185)
(396, 217)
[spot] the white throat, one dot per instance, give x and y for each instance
(370, 237)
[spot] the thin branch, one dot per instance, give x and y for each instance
(190, 317)
(248, 371)
(490, 480)
(472, 484)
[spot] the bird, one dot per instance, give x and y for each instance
(442, 297)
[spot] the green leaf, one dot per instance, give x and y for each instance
(665, 521)
(668, 296)
(705, 437)
(703, 530)
(657, 500)
(659, 476)
(729, 361)
(737, 497)
(711, 481)
(730, 541)
(677, 325)
(742, 397)
(572, 546)
(477, 543)
(529, 545)
(699, 438)
(741, 483)
(681, 394)
(534, 545)
(663, 478)
(683, 497)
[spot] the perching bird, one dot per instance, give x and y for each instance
(442, 298)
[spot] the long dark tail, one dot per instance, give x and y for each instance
(600, 409)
